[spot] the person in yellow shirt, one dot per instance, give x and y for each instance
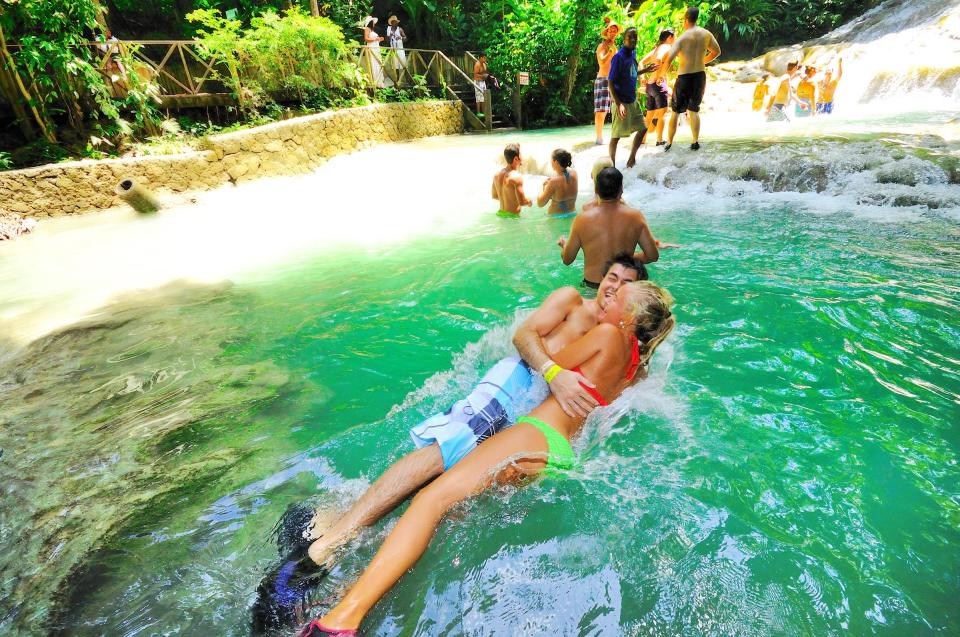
(760, 93)
(827, 87)
(806, 94)
(601, 94)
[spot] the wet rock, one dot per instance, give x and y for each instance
(911, 171)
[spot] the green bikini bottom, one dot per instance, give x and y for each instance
(559, 452)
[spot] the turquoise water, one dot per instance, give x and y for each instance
(790, 468)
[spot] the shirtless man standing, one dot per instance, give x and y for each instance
(480, 76)
(695, 49)
(508, 182)
(657, 91)
(445, 438)
(611, 227)
(827, 88)
(777, 108)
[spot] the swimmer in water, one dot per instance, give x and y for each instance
(561, 190)
(443, 440)
(613, 354)
(508, 183)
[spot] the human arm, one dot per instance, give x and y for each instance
(403, 35)
(545, 193)
(614, 71)
(528, 339)
(713, 49)
(517, 182)
(647, 243)
(493, 189)
(839, 70)
(569, 247)
(661, 244)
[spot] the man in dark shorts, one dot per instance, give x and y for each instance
(658, 94)
(693, 50)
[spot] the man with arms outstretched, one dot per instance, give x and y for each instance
(610, 227)
(694, 50)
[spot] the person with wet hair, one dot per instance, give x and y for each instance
(614, 355)
(561, 189)
(611, 227)
(508, 183)
(694, 49)
(777, 108)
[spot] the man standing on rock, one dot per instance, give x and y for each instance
(777, 108)
(694, 50)
(625, 111)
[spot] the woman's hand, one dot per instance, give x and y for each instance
(562, 241)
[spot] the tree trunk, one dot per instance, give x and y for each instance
(8, 88)
(573, 62)
(315, 8)
(29, 99)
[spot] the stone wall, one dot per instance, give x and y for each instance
(283, 148)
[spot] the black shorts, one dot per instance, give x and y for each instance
(657, 95)
(688, 92)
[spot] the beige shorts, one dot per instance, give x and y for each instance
(628, 124)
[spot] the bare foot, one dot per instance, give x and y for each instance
(631, 162)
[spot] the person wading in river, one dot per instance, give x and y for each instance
(694, 49)
(622, 82)
(611, 227)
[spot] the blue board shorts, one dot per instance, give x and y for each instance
(488, 409)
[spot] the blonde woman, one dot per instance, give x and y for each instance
(613, 355)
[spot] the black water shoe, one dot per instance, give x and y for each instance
(695, 146)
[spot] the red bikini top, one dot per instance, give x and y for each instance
(631, 371)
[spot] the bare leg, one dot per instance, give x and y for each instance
(694, 126)
(637, 141)
(661, 116)
(404, 476)
(598, 120)
(649, 119)
(410, 537)
(672, 129)
(613, 149)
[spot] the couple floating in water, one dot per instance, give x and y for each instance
(588, 352)
(559, 190)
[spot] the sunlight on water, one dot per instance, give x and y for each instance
(171, 384)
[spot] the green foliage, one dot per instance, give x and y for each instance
(6, 161)
(418, 92)
(290, 57)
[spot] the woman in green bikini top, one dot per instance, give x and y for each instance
(632, 323)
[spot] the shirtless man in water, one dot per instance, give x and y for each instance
(611, 227)
(445, 438)
(694, 49)
(508, 182)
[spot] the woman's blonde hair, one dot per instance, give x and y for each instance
(649, 305)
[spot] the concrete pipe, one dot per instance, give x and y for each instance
(139, 198)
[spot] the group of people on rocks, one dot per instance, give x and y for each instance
(619, 72)
(811, 94)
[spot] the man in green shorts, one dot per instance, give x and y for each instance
(625, 110)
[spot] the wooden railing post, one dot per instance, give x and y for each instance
(488, 109)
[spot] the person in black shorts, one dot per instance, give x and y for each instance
(657, 91)
(694, 49)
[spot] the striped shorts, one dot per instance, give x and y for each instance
(491, 407)
(601, 96)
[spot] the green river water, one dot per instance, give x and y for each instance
(790, 467)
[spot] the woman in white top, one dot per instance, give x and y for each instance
(372, 40)
(396, 37)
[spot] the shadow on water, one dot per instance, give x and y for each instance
(111, 420)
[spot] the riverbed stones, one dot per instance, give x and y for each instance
(290, 147)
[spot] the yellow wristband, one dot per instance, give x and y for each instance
(552, 373)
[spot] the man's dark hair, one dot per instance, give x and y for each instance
(629, 29)
(692, 15)
(626, 260)
(511, 152)
(792, 65)
(481, 54)
(665, 35)
(609, 183)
